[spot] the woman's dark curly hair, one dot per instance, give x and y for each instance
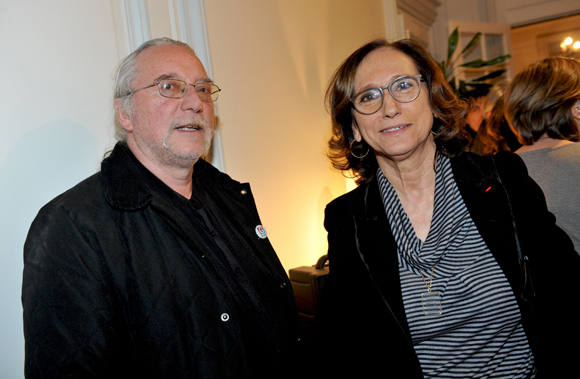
(448, 127)
(540, 98)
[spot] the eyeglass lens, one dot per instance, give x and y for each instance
(207, 92)
(403, 89)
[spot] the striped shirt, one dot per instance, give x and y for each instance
(479, 332)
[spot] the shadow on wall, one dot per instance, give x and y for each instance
(41, 165)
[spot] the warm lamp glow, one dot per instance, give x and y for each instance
(570, 48)
(350, 184)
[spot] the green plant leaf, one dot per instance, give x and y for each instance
(497, 60)
(460, 87)
(491, 75)
(482, 63)
(452, 44)
(475, 63)
(472, 43)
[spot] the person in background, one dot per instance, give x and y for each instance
(158, 265)
(493, 95)
(543, 109)
(494, 134)
(429, 277)
(476, 97)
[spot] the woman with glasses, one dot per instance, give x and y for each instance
(438, 267)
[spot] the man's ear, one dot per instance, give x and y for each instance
(122, 116)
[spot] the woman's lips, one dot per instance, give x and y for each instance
(394, 128)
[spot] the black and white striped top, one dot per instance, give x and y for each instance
(479, 332)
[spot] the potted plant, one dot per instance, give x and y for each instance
(449, 66)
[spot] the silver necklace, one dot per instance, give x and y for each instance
(431, 300)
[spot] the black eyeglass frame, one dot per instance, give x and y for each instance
(158, 84)
(388, 87)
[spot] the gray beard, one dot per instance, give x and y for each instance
(183, 161)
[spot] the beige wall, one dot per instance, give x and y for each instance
(273, 60)
(531, 42)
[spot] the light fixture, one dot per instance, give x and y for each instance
(570, 48)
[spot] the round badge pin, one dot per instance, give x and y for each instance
(261, 232)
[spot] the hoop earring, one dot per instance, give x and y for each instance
(356, 156)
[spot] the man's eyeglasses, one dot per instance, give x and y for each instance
(176, 89)
(403, 89)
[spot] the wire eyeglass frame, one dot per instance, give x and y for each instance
(356, 99)
(210, 95)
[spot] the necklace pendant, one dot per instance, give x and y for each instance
(431, 303)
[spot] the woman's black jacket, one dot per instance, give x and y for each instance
(366, 327)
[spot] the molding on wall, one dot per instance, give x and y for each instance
(394, 21)
(424, 11)
(131, 23)
(525, 12)
(137, 18)
(410, 19)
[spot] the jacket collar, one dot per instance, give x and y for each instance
(125, 187)
(486, 200)
(123, 184)
(377, 249)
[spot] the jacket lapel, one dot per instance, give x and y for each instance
(486, 201)
(378, 250)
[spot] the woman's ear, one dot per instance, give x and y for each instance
(122, 116)
(576, 111)
(355, 132)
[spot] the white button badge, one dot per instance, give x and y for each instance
(261, 232)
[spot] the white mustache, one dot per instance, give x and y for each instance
(194, 124)
(199, 124)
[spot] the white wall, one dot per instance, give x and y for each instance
(273, 59)
(57, 63)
